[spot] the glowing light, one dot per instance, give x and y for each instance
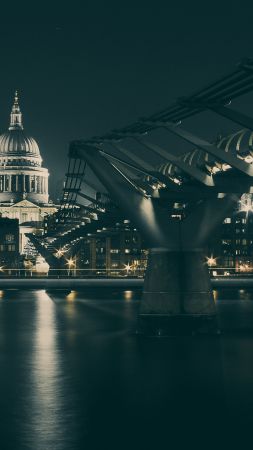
(215, 295)
(1, 268)
(211, 261)
(128, 295)
(246, 207)
(71, 296)
(128, 268)
(70, 262)
(244, 267)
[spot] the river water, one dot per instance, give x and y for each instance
(74, 375)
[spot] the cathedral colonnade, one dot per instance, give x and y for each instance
(28, 183)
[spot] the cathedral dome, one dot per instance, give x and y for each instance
(15, 142)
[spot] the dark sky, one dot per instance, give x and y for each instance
(85, 68)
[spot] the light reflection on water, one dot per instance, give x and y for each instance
(230, 294)
(72, 370)
(45, 428)
(71, 296)
(45, 391)
(128, 295)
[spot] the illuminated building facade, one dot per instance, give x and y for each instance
(232, 244)
(23, 180)
(115, 250)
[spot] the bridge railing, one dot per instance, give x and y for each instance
(241, 271)
(73, 273)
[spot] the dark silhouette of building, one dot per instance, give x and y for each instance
(9, 243)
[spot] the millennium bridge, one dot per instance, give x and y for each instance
(174, 185)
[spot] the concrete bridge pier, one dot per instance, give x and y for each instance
(177, 295)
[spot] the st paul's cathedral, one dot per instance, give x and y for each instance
(23, 180)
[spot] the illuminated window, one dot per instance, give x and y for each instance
(227, 220)
(9, 237)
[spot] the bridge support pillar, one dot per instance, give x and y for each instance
(177, 294)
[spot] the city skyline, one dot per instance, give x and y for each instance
(126, 302)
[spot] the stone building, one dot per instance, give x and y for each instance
(9, 243)
(23, 180)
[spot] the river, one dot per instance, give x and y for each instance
(75, 375)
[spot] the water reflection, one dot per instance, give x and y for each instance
(45, 427)
(230, 294)
(71, 296)
(128, 295)
(74, 375)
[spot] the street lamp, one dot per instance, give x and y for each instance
(59, 253)
(211, 261)
(71, 262)
(128, 268)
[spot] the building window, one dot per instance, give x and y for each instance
(9, 237)
(226, 241)
(227, 220)
(11, 248)
(2, 248)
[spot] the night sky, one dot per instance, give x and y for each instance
(84, 68)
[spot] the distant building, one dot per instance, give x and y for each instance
(23, 180)
(116, 250)
(9, 243)
(232, 244)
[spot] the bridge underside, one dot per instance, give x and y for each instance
(148, 183)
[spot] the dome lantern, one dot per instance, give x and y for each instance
(16, 115)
